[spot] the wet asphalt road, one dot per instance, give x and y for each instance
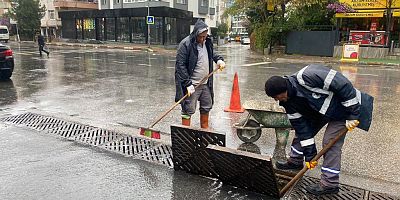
(121, 90)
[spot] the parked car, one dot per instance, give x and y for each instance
(245, 40)
(4, 34)
(6, 62)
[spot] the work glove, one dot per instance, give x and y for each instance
(190, 90)
(311, 165)
(351, 124)
(221, 65)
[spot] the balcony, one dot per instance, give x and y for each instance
(76, 4)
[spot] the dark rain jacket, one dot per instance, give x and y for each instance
(186, 61)
(40, 40)
(331, 96)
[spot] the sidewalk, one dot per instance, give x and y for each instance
(278, 58)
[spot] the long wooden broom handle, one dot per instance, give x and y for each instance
(180, 100)
(318, 156)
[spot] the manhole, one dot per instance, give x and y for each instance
(97, 137)
(345, 192)
(22, 118)
(129, 145)
(45, 123)
(71, 129)
(380, 196)
(161, 154)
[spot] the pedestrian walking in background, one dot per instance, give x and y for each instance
(194, 61)
(42, 44)
(313, 97)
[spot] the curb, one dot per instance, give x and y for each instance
(280, 60)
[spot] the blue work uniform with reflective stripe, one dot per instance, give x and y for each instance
(316, 95)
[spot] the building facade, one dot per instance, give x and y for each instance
(125, 20)
(51, 22)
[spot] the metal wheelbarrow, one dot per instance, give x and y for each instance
(263, 114)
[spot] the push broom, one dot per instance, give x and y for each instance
(150, 132)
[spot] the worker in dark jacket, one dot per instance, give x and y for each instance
(41, 44)
(313, 97)
(194, 61)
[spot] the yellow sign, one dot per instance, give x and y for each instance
(396, 14)
(365, 4)
(370, 4)
(355, 15)
(350, 52)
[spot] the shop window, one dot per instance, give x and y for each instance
(204, 3)
(181, 1)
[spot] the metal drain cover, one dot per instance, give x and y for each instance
(380, 196)
(346, 192)
(129, 145)
(71, 129)
(245, 170)
(22, 118)
(189, 149)
(45, 123)
(161, 154)
(97, 137)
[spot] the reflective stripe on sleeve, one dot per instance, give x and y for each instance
(297, 151)
(294, 116)
(350, 102)
(330, 170)
(358, 94)
(300, 79)
(326, 104)
(307, 142)
(328, 79)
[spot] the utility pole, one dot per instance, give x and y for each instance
(148, 25)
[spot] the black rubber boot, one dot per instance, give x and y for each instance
(318, 189)
(286, 165)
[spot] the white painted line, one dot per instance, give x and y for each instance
(368, 74)
(268, 67)
(254, 64)
(144, 65)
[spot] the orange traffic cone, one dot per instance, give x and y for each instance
(235, 105)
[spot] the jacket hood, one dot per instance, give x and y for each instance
(199, 27)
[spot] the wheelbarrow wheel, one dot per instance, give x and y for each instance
(251, 131)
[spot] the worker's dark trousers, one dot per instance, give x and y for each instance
(331, 167)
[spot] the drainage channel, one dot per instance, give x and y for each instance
(346, 192)
(124, 144)
(155, 152)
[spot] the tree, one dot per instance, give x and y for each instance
(27, 13)
(222, 29)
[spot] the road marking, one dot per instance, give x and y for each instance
(254, 64)
(368, 74)
(268, 67)
(145, 65)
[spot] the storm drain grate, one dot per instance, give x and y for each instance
(129, 145)
(22, 118)
(345, 192)
(45, 123)
(159, 154)
(71, 129)
(189, 150)
(244, 169)
(97, 137)
(380, 196)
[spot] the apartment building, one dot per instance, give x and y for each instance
(51, 23)
(125, 20)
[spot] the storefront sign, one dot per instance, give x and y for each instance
(396, 14)
(350, 52)
(356, 15)
(370, 38)
(370, 4)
